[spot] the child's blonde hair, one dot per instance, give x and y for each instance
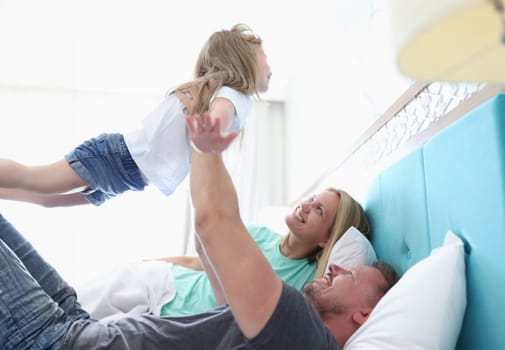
(228, 58)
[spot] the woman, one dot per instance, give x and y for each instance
(297, 257)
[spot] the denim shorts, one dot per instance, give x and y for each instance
(107, 166)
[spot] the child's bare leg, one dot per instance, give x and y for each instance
(45, 200)
(57, 177)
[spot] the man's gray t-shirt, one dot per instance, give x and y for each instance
(293, 325)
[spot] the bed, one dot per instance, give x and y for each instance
(430, 174)
(447, 178)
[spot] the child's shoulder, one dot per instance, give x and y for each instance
(231, 94)
(226, 90)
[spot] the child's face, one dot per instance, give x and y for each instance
(264, 73)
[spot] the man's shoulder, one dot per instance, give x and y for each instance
(301, 327)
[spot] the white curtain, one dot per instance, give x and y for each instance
(255, 161)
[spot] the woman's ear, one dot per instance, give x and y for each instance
(323, 244)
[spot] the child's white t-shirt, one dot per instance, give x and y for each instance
(161, 149)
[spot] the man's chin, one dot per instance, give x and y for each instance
(310, 290)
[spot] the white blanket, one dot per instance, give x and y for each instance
(134, 288)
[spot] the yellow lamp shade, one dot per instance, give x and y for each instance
(450, 40)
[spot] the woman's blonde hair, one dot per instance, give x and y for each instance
(228, 58)
(349, 213)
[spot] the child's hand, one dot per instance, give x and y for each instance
(205, 135)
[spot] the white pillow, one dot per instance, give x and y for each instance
(352, 249)
(425, 309)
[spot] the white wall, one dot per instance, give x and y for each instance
(331, 60)
(40, 127)
(343, 78)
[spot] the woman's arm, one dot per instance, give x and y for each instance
(191, 262)
(211, 273)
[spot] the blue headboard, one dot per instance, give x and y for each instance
(454, 181)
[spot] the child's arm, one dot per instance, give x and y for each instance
(223, 110)
(221, 113)
(212, 139)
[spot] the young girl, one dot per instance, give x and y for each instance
(231, 67)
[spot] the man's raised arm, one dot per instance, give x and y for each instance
(250, 286)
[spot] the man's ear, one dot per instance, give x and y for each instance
(359, 317)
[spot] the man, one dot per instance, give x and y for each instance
(38, 310)
(271, 315)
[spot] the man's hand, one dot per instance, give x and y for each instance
(205, 134)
